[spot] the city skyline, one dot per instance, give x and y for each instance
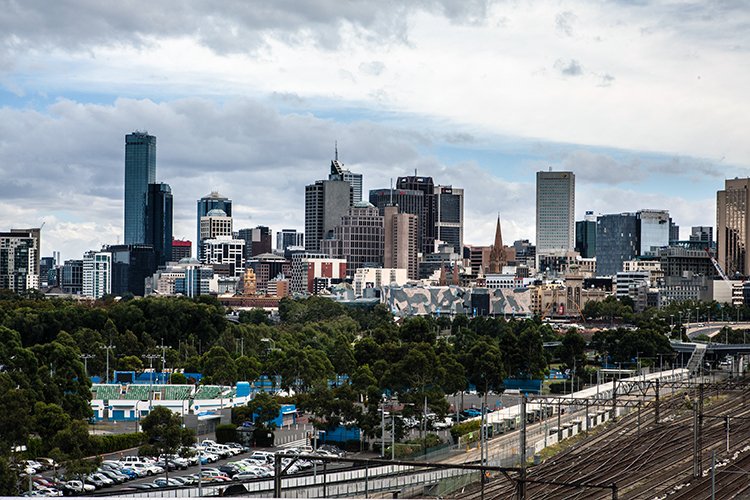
(660, 127)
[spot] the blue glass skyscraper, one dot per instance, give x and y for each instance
(140, 171)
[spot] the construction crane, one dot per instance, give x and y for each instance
(717, 266)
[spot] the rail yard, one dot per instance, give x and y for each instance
(636, 457)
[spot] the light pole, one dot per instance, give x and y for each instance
(86, 358)
(108, 347)
(151, 358)
(163, 355)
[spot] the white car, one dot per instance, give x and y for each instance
(79, 487)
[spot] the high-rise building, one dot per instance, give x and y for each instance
(216, 223)
(257, 240)
(325, 203)
(97, 274)
(267, 266)
(653, 231)
(733, 227)
(130, 266)
(358, 238)
(555, 211)
(409, 201)
(46, 268)
(212, 201)
(339, 173)
(449, 216)
(159, 209)
(19, 259)
(586, 236)
(616, 242)
(312, 272)
(702, 233)
(674, 232)
(625, 236)
(401, 241)
(289, 238)
(72, 277)
(181, 249)
(225, 250)
(428, 219)
(140, 171)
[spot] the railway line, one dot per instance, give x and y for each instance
(655, 461)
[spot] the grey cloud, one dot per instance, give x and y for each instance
(564, 23)
(695, 168)
(373, 68)
(606, 80)
(569, 68)
(228, 26)
(600, 168)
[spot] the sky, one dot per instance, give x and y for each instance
(644, 101)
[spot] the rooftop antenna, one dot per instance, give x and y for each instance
(336, 150)
(415, 172)
(391, 191)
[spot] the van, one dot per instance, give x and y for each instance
(267, 456)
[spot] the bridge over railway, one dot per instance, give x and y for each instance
(712, 328)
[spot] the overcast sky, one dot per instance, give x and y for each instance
(645, 102)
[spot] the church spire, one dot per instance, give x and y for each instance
(498, 257)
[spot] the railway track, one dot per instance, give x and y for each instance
(645, 464)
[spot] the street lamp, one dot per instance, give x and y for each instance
(163, 355)
(150, 358)
(108, 348)
(86, 358)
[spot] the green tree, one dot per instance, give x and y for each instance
(248, 368)
(218, 366)
(48, 420)
(254, 317)
(572, 350)
(130, 364)
(165, 433)
(265, 408)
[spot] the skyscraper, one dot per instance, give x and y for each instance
(555, 211)
(211, 201)
(159, 209)
(586, 236)
(427, 223)
(289, 238)
(339, 173)
(325, 203)
(257, 240)
(181, 249)
(702, 233)
(130, 265)
(358, 238)
(97, 274)
(19, 259)
(216, 223)
(401, 234)
(625, 236)
(733, 226)
(653, 230)
(140, 171)
(449, 216)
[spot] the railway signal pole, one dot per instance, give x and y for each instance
(522, 435)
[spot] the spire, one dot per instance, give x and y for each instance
(497, 256)
(498, 233)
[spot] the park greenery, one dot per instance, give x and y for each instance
(336, 362)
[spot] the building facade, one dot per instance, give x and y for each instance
(225, 250)
(257, 240)
(653, 231)
(20, 259)
(339, 173)
(616, 242)
(267, 266)
(555, 211)
(159, 212)
(312, 272)
(181, 249)
(130, 266)
(358, 238)
(212, 201)
(215, 224)
(401, 241)
(140, 171)
(449, 216)
(427, 223)
(289, 238)
(72, 277)
(325, 203)
(733, 227)
(97, 274)
(586, 236)
(702, 233)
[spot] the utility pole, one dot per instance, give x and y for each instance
(382, 429)
(108, 347)
(522, 482)
(151, 358)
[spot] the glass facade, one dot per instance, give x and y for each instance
(159, 210)
(555, 211)
(616, 242)
(140, 171)
(653, 230)
(209, 202)
(586, 238)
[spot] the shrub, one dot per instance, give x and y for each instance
(226, 433)
(463, 428)
(110, 443)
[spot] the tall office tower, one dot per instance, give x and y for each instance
(674, 232)
(46, 271)
(702, 233)
(586, 236)
(130, 266)
(97, 274)
(733, 226)
(140, 171)
(555, 211)
(325, 203)
(408, 201)
(449, 216)
(159, 221)
(257, 240)
(181, 249)
(212, 201)
(616, 242)
(289, 238)
(428, 219)
(225, 250)
(19, 259)
(72, 277)
(358, 238)
(214, 224)
(339, 173)
(653, 231)
(498, 256)
(401, 241)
